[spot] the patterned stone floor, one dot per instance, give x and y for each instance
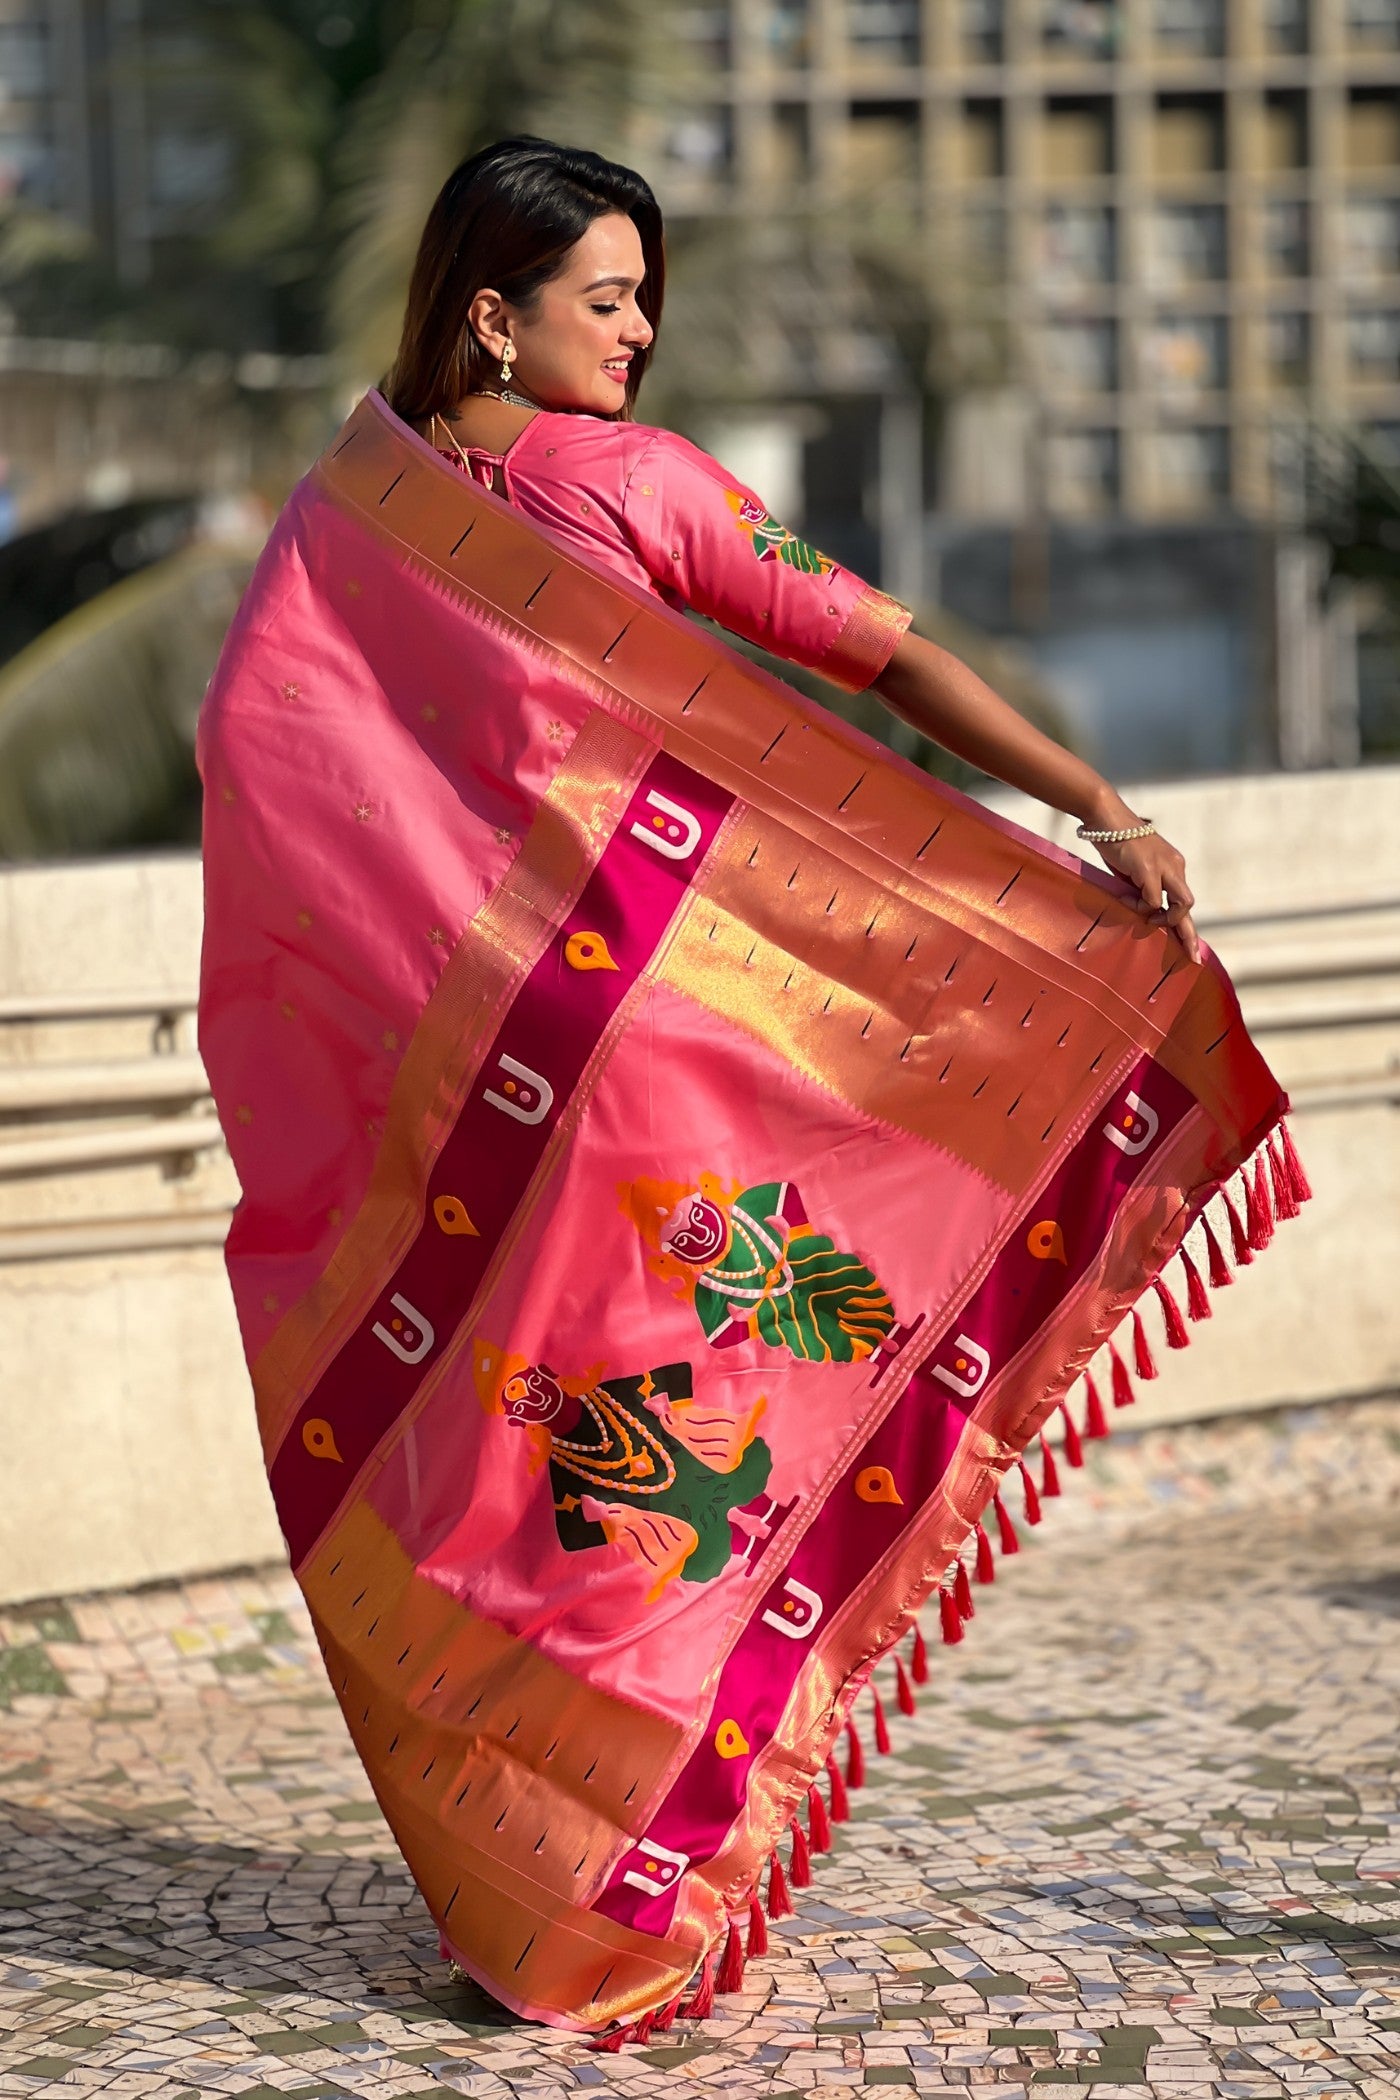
(1143, 1834)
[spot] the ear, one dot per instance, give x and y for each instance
(486, 316)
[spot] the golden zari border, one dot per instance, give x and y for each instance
(474, 1741)
(875, 627)
(584, 801)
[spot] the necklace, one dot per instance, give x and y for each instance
(507, 393)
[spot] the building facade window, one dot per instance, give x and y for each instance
(25, 70)
(1077, 138)
(1373, 346)
(1373, 25)
(1285, 237)
(1076, 248)
(1185, 245)
(1286, 339)
(702, 143)
(790, 33)
(980, 141)
(883, 32)
(882, 142)
(789, 144)
(1081, 28)
(1080, 357)
(1184, 355)
(28, 167)
(1285, 26)
(1372, 128)
(1189, 28)
(1188, 135)
(1081, 472)
(1190, 467)
(983, 27)
(705, 32)
(1370, 240)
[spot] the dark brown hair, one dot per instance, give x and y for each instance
(507, 218)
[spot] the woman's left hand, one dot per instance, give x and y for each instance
(1155, 868)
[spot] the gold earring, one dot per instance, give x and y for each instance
(506, 355)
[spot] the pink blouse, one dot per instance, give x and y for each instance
(658, 510)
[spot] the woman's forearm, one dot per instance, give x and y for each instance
(938, 695)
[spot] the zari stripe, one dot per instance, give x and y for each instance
(489, 1156)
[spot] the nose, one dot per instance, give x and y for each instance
(639, 331)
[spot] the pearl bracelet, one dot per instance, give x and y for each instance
(1138, 831)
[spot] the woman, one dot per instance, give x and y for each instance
(687, 1154)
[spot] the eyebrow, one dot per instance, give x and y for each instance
(599, 282)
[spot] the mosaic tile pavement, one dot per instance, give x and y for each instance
(1143, 1834)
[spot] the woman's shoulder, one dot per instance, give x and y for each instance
(627, 444)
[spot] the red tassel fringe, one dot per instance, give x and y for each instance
(1074, 1449)
(757, 1943)
(1123, 1395)
(1239, 1238)
(1198, 1305)
(882, 1732)
(840, 1806)
(703, 2003)
(904, 1689)
(779, 1901)
(1259, 1220)
(1286, 1204)
(800, 1869)
(1006, 1529)
(855, 1760)
(1177, 1337)
(1049, 1472)
(986, 1566)
(962, 1591)
(950, 1617)
(1144, 1362)
(1095, 1425)
(919, 1662)
(731, 1968)
(1032, 1498)
(1220, 1270)
(1302, 1187)
(818, 1827)
(667, 2015)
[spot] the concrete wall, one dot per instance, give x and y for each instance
(125, 1413)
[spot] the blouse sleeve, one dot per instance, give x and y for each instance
(710, 544)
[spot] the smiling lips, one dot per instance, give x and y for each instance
(617, 367)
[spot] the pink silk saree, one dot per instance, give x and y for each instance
(687, 1155)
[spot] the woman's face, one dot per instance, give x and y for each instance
(573, 351)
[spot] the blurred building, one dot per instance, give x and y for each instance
(73, 122)
(1175, 222)
(1165, 238)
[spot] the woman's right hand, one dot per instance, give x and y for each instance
(1156, 869)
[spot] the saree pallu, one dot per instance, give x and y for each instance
(681, 1175)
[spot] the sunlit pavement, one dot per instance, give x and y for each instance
(1142, 1834)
